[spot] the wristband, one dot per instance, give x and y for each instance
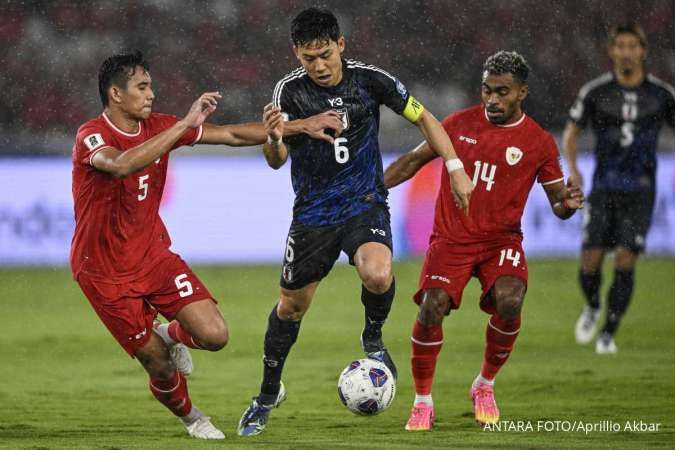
(273, 142)
(454, 164)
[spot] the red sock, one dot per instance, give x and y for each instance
(178, 334)
(426, 345)
(172, 393)
(500, 336)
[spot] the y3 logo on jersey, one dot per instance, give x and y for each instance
(378, 231)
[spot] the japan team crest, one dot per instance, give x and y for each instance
(344, 116)
(513, 155)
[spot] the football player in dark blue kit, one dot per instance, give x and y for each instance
(341, 199)
(626, 108)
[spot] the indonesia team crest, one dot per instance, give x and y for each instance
(513, 155)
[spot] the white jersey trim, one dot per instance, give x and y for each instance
(594, 83)
(661, 83)
(96, 151)
(353, 64)
(199, 135)
(278, 89)
(112, 125)
(552, 181)
(511, 125)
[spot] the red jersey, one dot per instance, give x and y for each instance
(503, 161)
(118, 232)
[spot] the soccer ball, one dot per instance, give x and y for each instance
(366, 387)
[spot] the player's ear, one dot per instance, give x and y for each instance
(115, 94)
(341, 44)
(522, 93)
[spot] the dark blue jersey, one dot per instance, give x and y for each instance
(333, 183)
(626, 122)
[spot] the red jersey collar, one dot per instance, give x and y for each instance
(511, 125)
(112, 125)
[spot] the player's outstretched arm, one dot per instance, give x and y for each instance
(121, 164)
(406, 166)
(569, 144)
(564, 199)
(274, 149)
(440, 143)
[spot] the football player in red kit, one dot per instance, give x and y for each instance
(504, 151)
(120, 253)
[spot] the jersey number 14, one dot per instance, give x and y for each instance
(487, 174)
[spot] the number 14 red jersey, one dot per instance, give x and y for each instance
(503, 162)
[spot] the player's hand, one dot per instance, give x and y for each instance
(316, 126)
(576, 178)
(574, 196)
(273, 121)
(461, 189)
(201, 109)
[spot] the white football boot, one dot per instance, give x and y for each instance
(605, 345)
(202, 428)
(586, 325)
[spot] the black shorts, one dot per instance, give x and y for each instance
(617, 219)
(311, 251)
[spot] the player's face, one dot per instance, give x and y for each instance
(136, 99)
(502, 96)
(322, 61)
(627, 53)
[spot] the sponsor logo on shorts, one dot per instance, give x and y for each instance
(287, 273)
(270, 362)
(440, 278)
(378, 231)
(139, 335)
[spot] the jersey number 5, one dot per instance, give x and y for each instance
(184, 286)
(143, 186)
(341, 151)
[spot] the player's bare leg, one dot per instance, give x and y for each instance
(283, 327)
(198, 325)
(618, 299)
(502, 330)
(373, 264)
(590, 280)
(427, 340)
(170, 387)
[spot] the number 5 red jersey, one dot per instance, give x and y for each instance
(503, 161)
(119, 234)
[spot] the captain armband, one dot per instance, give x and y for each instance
(413, 109)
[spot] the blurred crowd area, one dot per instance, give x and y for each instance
(51, 52)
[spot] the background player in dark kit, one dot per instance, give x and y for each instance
(626, 108)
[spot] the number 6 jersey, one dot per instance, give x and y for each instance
(333, 183)
(503, 161)
(118, 232)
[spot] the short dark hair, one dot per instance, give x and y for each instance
(630, 28)
(314, 24)
(117, 70)
(508, 62)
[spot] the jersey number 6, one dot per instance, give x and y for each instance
(341, 151)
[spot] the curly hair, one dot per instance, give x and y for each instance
(508, 62)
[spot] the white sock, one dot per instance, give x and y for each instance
(192, 416)
(424, 399)
(481, 380)
(163, 332)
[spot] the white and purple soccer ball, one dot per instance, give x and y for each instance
(366, 387)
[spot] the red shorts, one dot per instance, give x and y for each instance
(128, 310)
(449, 267)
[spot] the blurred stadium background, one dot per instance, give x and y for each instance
(225, 208)
(52, 50)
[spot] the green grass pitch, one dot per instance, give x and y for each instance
(67, 384)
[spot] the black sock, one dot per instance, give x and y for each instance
(279, 338)
(619, 297)
(590, 285)
(377, 307)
